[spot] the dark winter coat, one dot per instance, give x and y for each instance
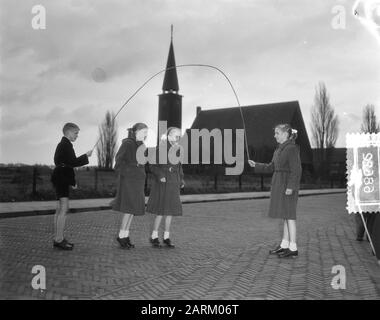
(65, 160)
(130, 196)
(164, 198)
(375, 232)
(287, 170)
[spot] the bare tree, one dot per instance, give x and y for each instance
(324, 122)
(369, 124)
(324, 126)
(106, 148)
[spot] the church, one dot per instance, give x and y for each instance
(260, 121)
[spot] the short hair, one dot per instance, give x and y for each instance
(69, 126)
(286, 127)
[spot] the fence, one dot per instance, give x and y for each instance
(33, 183)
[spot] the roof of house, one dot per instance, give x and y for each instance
(260, 121)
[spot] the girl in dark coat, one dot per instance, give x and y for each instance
(287, 170)
(130, 196)
(164, 199)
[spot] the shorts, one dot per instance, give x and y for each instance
(61, 190)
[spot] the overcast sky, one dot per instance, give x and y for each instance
(94, 54)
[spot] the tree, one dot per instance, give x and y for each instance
(369, 124)
(106, 147)
(324, 124)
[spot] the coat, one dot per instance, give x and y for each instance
(164, 198)
(130, 195)
(287, 170)
(65, 160)
(375, 232)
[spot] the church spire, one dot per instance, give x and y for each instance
(171, 80)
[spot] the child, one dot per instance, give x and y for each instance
(164, 199)
(287, 170)
(130, 195)
(63, 177)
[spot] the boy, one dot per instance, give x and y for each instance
(63, 177)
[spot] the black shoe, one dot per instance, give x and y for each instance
(123, 243)
(287, 253)
(277, 250)
(168, 243)
(63, 245)
(155, 242)
(69, 243)
(129, 243)
(359, 239)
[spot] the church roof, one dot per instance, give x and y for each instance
(260, 121)
(170, 80)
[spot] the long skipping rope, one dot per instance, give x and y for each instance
(181, 66)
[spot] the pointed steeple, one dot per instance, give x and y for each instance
(170, 80)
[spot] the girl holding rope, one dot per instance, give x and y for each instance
(287, 170)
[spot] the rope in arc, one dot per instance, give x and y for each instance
(181, 66)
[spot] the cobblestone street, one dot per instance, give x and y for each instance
(221, 253)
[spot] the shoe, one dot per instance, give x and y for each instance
(69, 243)
(287, 253)
(168, 243)
(129, 243)
(63, 245)
(277, 250)
(155, 242)
(123, 243)
(359, 239)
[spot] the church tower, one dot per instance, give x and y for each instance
(170, 102)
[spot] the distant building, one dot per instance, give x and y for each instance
(260, 121)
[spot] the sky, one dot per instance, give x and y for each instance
(93, 54)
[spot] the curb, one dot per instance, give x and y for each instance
(17, 214)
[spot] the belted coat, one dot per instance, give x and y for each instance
(286, 168)
(130, 195)
(164, 198)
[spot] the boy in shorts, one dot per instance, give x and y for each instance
(63, 177)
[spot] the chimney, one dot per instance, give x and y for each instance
(199, 109)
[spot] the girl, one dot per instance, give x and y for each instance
(287, 170)
(130, 196)
(164, 199)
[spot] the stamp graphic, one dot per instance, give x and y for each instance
(363, 156)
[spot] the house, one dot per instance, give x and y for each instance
(260, 121)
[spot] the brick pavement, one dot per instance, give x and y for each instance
(222, 253)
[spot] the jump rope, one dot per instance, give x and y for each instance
(182, 66)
